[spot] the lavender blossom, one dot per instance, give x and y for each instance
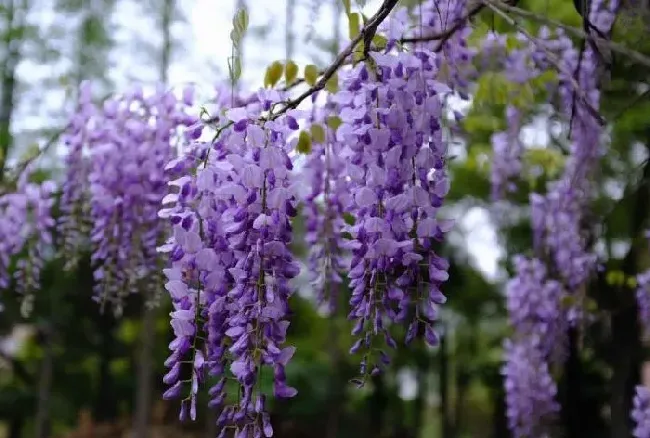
(641, 413)
(530, 391)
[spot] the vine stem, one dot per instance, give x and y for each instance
(366, 35)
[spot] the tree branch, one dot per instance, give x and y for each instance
(18, 368)
(552, 59)
(444, 35)
(23, 165)
(366, 34)
(637, 57)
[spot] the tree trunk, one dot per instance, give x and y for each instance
(167, 45)
(625, 356)
(445, 423)
(499, 420)
(211, 430)
(145, 371)
(626, 335)
(378, 404)
(42, 425)
(148, 334)
(337, 385)
(571, 386)
(105, 406)
(16, 426)
(422, 370)
(12, 43)
(288, 35)
(462, 385)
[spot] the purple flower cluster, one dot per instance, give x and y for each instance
(231, 264)
(643, 299)
(558, 216)
(455, 62)
(73, 224)
(506, 157)
(325, 205)
(535, 312)
(26, 225)
(643, 296)
(534, 303)
(395, 153)
(641, 412)
(115, 181)
(520, 65)
(530, 390)
(560, 239)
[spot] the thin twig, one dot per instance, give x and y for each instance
(23, 165)
(637, 57)
(444, 35)
(552, 59)
(368, 31)
(634, 102)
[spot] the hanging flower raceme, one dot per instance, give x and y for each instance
(558, 218)
(520, 65)
(455, 64)
(641, 412)
(393, 143)
(26, 226)
(232, 281)
(531, 407)
(325, 206)
(115, 182)
(507, 153)
(561, 238)
(73, 224)
(643, 296)
(534, 303)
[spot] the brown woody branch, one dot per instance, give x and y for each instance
(444, 35)
(366, 34)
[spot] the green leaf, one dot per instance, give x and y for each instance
(290, 71)
(615, 278)
(240, 21)
(334, 122)
(591, 305)
(380, 41)
(512, 43)
(567, 301)
(119, 366)
(524, 96)
(317, 133)
(304, 143)
(273, 74)
(234, 68)
(33, 150)
(631, 282)
(349, 219)
(332, 84)
(235, 38)
(347, 6)
(128, 331)
(493, 88)
(481, 121)
(354, 24)
(551, 161)
(311, 74)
